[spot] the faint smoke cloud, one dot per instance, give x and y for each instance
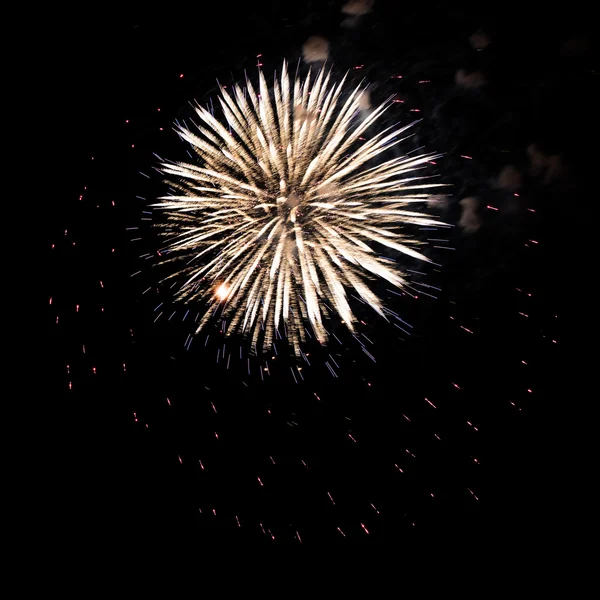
(510, 179)
(356, 8)
(549, 166)
(576, 46)
(470, 81)
(469, 219)
(480, 40)
(538, 161)
(364, 100)
(556, 168)
(315, 49)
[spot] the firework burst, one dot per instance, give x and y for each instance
(289, 206)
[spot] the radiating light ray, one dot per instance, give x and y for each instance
(286, 210)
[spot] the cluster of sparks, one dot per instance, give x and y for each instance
(289, 207)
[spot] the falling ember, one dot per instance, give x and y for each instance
(283, 209)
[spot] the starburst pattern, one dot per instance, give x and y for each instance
(290, 206)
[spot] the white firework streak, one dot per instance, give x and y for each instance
(283, 216)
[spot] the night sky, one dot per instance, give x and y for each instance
(452, 424)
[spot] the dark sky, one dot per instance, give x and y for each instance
(364, 458)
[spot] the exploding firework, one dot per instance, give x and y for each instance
(289, 208)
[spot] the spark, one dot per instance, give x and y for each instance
(286, 211)
(222, 291)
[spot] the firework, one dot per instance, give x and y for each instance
(289, 208)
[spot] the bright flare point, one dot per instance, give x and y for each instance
(222, 291)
